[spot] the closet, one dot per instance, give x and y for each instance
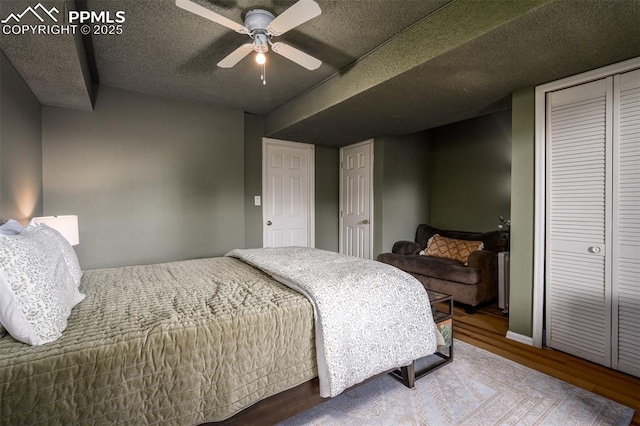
(592, 234)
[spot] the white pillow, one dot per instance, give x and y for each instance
(46, 237)
(11, 227)
(70, 257)
(37, 292)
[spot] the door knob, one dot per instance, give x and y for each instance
(594, 249)
(268, 223)
(365, 222)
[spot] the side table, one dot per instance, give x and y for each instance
(442, 311)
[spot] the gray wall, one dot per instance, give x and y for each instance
(253, 131)
(522, 213)
(20, 147)
(151, 179)
(327, 167)
(470, 173)
(401, 188)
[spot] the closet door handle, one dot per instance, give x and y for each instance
(594, 249)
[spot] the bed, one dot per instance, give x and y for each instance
(199, 341)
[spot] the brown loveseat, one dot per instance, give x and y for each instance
(470, 284)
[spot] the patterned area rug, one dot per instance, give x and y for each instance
(477, 388)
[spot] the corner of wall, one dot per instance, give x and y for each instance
(522, 212)
(21, 184)
(400, 179)
(470, 170)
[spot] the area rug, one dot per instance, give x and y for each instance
(477, 388)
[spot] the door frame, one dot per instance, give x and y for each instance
(540, 180)
(371, 203)
(311, 184)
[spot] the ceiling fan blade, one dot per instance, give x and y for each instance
(192, 7)
(297, 56)
(297, 14)
(236, 56)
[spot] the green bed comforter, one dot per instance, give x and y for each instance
(178, 343)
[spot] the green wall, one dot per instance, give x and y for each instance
(20, 147)
(456, 176)
(151, 179)
(327, 190)
(401, 188)
(522, 212)
(470, 173)
(327, 176)
(253, 131)
(379, 146)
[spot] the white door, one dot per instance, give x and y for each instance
(588, 154)
(626, 223)
(356, 200)
(288, 182)
(578, 292)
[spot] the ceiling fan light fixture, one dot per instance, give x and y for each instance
(261, 25)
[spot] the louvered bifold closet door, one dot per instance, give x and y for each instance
(578, 293)
(626, 223)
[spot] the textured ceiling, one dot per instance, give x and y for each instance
(554, 41)
(390, 67)
(54, 66)
(171, 52)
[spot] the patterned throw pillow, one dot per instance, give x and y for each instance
(450, 248)
(70, 257)
(37, 292)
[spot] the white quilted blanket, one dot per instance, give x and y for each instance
(370, 317)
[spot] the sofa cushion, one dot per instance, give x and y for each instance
(435, 267)
(406, 247)
(451, 248)
(493, 240)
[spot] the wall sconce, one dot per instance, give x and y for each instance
(66, 225)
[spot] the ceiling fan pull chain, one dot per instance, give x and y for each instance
(263, 77)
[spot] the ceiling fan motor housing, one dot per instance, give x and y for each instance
(257, 20)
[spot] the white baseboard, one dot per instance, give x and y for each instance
(520, 338)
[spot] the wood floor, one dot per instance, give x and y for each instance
(487, 328)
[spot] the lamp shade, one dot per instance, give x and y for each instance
(66, 225)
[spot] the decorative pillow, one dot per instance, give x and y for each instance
(42, 234)
(451, 248)
(37, 292)
(70, 257)
(11, 227)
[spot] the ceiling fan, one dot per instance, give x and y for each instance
(262, 25)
